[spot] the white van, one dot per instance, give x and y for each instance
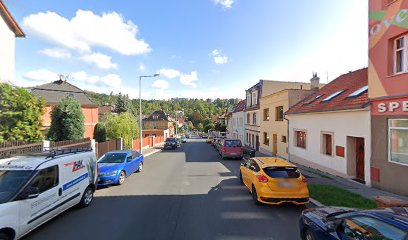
(36, 188)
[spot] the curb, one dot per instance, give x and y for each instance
(153, 152)
(315, 202)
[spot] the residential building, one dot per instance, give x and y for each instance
(9, 30)
(274, 128)
(330, 129)
(55, 91)
(252, 112)
(388, 93)
(236, 127)
(159, 120)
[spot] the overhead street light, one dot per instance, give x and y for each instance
(140, 107)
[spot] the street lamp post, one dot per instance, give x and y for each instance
(140, 108)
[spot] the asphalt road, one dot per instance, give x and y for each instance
(188, 193)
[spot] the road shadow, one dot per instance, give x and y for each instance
(226, 212)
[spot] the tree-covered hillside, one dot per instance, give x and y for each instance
(206, 108)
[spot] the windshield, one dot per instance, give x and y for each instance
(11, 182)
(170, 140)
(113, 158)
(282, 172)
(232, 143)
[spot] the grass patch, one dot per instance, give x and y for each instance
(334, 196)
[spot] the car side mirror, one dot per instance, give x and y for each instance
(332, 226)
(30, 193)
(129, 159)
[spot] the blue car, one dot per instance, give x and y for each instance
(351, 224)
(115, 166)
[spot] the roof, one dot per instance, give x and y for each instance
(9, 20)
(21, 162)
(274, 161)
(347, 83)
(55, 91)
(239, 107)
(158, 116)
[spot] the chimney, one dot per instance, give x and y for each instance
(314, 82)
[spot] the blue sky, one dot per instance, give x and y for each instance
(202, 48)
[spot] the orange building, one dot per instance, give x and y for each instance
(55, 91)
(388, 92)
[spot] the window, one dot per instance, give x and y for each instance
(248, 100)
(266, 114)
(248, 118)
(398, 140)
(333, 96)
(247, 138)
(254, 98)
(254, 118)
(45, 179)
(252, 165)
(283, 139)
(327, 144)
(359, 92)
(314, 99)
(279, 113)
(362, 227)
(265, 138)
(300, 139)
(400, 55)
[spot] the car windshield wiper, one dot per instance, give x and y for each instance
(330, 215)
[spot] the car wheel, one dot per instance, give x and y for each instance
(87, 197)
(4, 236)
(309, 235)
(122, 178)
(255, 196)
(240, 177)
(140, 167)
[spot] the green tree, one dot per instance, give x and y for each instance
(220, 127)
(122, 104)
(124, 126)
(100, 132)
(208, 127)
(190, 125)
(20, 114)
(67, 121)
(200, 127)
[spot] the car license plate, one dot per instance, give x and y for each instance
(285, 184)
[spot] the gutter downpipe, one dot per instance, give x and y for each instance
(287, 137)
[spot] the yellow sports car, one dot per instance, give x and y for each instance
(274, 181)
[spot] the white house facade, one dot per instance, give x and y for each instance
(9, 30)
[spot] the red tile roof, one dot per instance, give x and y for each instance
(239, 107)
(349, 82)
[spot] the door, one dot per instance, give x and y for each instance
(360, 158)
(36, 210)
(274, 144)
(257, 143)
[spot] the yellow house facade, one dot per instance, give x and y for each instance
(274, 127)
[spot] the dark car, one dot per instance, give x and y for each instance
(345, 223)
(170, 143)
(183, 139)
(178, 142)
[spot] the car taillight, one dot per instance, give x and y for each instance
(262, 178)
(304, 179)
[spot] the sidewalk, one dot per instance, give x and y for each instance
(315, 176)
(149, 151)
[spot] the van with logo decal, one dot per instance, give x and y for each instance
(36, 188)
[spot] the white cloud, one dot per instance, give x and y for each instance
(41, 76)
(56, 53)
(169, 73)
(225, 3)
(86, 30)
(110, 80)
(142, 67)
(100, 60)
(189, 79)
(160, 84)
(218, 57)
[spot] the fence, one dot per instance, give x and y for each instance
(147, 142)
(82, 143)
(104, 147)
(8, 149)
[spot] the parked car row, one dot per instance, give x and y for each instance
(36, 188)
(228, 148)
(174, 143)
